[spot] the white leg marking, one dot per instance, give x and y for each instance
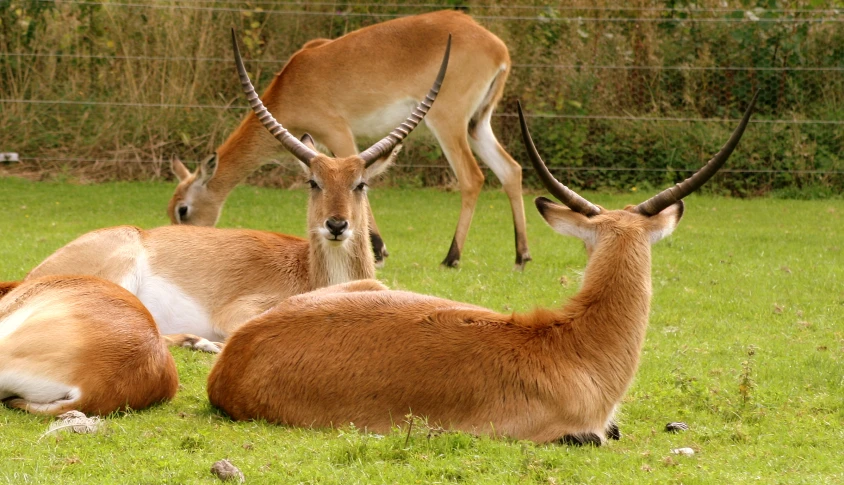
(486, 146)
(205, 346)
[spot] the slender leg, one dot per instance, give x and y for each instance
(470, 179)
(193, 342)
(509, 172)
(53, 408)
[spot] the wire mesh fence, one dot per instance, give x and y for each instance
(620, 94)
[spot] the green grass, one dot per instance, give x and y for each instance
(746, 345)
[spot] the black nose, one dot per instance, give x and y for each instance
(183, 211)
(336, 227)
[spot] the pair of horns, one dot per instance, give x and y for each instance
(302, 151)
(655, 204)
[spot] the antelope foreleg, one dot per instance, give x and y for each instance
(193, 342)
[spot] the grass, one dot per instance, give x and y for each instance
(745, 344)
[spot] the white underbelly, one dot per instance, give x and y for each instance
(172, 308)
(37, 389)
(378, 124)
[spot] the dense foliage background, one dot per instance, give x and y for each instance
(624, 95)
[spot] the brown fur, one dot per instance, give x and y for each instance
(7, 286)
(356, 86)
(235, 274)
(369, 358)
(87, 333)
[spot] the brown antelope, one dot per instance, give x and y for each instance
(80, 343)
(202, 281)
(370, 357)
(362, 84)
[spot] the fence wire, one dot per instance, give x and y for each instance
(613, 88)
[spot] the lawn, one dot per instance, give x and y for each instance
(745, 345)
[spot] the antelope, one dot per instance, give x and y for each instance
(80, 343)
(361, 84)
(200, 283)
(368, 357)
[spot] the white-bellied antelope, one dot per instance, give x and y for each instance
(370, 357)
(80, 343)
(362, 84)
(205, 282)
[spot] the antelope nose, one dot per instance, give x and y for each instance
(335, 226)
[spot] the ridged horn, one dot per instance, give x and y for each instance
(294, 146)
(564, 194)
(660, 201)
(376, 151)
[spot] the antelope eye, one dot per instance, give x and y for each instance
(313, 184)
(361, 186)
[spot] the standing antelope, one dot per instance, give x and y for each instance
(205, 281)
(362, 84)
(80, 343)
(370, 357)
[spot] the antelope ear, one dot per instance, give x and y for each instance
(664, 222)
(382, 164)
(179, 170)
(309, 142)
(207, 169)
(566, 221)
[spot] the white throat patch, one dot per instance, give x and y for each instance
(337, 261)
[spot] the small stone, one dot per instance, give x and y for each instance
(225, 471)
(683, 451)
(676, 427)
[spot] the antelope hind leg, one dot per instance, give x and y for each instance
(53, 408)
(584, 439)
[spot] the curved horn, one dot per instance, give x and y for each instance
(564, 194)
(660, 201)
(294, 146)
(376, 151)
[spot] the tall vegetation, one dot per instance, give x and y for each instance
(628, 94)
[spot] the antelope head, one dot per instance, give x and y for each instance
(336, 209)
(654, 218)
(192, 203)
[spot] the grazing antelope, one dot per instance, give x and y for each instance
(204, 282)
(369, 357)
(80, 343)
(361, 84)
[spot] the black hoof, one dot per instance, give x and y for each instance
(676, 427)
(613, 432)
(587, 439)
(378, 247)
(452, 259)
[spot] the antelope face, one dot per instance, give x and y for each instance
(192, 203)
(337, 208)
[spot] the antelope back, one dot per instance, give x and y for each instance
(86, 340)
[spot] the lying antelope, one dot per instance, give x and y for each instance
(369, 357)
(360, 85)
(80, 343)
(204, 282)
